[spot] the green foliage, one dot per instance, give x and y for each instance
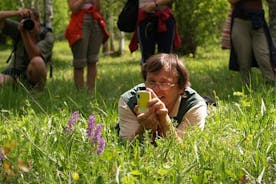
(237, 145)
(6, 5)
(61, 15)
(199, 22)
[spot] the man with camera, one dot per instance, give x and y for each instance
(33, 46)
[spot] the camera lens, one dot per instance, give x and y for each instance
(28, 23)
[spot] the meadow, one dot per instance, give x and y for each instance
(236, 146)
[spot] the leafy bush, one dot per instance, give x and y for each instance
(199, 22)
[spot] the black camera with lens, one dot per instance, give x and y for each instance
(28, 23)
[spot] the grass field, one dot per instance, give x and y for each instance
(237, 145)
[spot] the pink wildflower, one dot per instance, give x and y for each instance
(71, 122)
(101, 145)
(97, 133)
(91, 125)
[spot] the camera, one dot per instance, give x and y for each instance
(28, 23)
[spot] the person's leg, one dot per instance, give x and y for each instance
(165, 39)
(37, 72)
(78, 64)
(147, 33)
(79, 50)
(95, 40)
(91, 76)
(5, 79)
(242, 44)
(78, 78)
(261, 52)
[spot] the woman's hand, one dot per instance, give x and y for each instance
(149, 7)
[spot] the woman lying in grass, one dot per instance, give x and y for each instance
(173, 105)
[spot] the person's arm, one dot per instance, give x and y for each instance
(75, 5)
(12, 13)
(28, 37)
(158, 109)
(29, 42)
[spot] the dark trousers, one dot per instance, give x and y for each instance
(149, 36)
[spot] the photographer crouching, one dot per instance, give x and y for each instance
(33, 46)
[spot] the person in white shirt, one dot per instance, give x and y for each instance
(173, 106)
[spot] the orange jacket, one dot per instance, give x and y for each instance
(74, 29)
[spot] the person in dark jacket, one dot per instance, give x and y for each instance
(156, 26)
(251, 41)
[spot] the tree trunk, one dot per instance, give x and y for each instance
(272, 20)
(22, 3)
(111, 30)
(105, 47)
(48, 15)
(121, 43)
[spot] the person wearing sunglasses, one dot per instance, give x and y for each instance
(173, 106)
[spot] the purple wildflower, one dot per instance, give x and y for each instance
(97, 133)
(94, 134)
(72, 121)
(101, 145)
(2, 156)
(91, 124)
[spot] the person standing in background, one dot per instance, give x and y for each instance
(156, 25)
(272, 20)
(252, 45)
(86, 32)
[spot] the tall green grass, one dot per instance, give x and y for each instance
(237, 145)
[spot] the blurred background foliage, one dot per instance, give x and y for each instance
(199, 22)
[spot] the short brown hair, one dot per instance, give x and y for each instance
(156, 62)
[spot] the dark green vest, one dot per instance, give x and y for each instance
(188, 100)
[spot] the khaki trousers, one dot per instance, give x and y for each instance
(248, 42)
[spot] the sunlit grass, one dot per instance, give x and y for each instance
(237, 145)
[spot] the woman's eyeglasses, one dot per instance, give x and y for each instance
(160, 85)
